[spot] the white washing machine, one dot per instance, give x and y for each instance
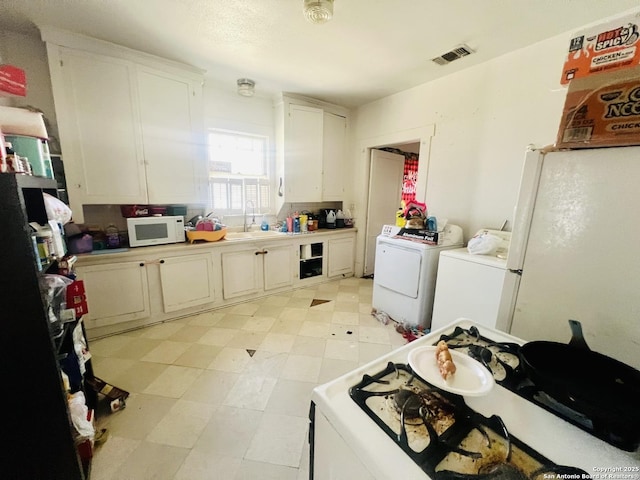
(477, 287)
(404, 277)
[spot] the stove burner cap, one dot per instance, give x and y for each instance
(408, 401)
(501, 471)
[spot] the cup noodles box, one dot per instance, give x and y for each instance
(602, 111)
(609, 46)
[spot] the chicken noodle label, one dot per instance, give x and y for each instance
(609, 46)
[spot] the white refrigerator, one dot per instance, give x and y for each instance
(576, 246)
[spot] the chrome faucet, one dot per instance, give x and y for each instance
(249, 203)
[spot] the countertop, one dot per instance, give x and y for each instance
(186, 247)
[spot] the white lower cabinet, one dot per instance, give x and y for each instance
(278, 266)
(241, 273)
(147, 290)
(252, 270)
(186, 281)
(149, 285)
(341, 256)
(117, 292)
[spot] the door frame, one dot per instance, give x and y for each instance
(388, 165)
(421, 135)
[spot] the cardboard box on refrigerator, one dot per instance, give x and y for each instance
(607, 47)
(602, 111)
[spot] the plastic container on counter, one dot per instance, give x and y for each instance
(113, 236)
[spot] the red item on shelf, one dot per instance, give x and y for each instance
(130, 211)
(13, 81)
(77, 299)
(157, 210)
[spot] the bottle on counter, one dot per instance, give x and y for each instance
(296, 223)
(331, 219)
(264, 226)
(400, 220)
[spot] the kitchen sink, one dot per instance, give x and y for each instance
(250, 235)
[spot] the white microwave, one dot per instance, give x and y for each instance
(145, 231)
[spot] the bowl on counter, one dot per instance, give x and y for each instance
(195, 235)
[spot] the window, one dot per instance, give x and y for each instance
(238, 172)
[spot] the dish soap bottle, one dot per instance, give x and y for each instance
(264, 226)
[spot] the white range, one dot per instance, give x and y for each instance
(355, 432)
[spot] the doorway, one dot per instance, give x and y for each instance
(392, 179)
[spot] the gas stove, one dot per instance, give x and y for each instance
(503, 361)
(393, 424)
(445, 437)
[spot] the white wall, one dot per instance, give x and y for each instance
(224, 108)
(484, 118)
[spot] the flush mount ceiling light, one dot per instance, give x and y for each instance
(246, 87)
(318, 11)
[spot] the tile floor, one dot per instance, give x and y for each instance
(225, 394)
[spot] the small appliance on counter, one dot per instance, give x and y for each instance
(322, 219)
(145, 231)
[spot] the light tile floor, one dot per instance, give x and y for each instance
(225, 394)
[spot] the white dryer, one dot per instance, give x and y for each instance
(404, 277)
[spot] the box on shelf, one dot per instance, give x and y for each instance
(13, 81)
(602, 111)
(130, 211)
(20, 121)
(604, 48)
(76, 298)
(177, 210)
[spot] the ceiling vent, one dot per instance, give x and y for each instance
(455, 54)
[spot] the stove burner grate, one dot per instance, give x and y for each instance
(442, 434)
(502, 359)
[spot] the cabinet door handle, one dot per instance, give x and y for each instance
(262, 252)
(265, 252)
(161, 261)
(141, 264)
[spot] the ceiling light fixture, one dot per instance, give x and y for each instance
(246, 87)
(318, 11)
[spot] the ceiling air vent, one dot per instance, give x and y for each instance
(456, 53)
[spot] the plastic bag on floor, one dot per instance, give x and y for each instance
(79, 417)
(382, 317)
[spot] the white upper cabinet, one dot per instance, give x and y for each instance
(311, 150)
(131, 125)
(170, 137)
(303, 155)
(100, 129)
(334, 153)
